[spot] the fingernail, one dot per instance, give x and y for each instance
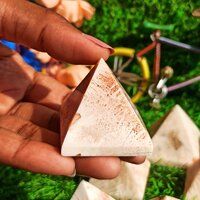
(98, 42)
(73, 174)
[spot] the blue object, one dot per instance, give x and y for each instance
(28, 56)
(9, 44)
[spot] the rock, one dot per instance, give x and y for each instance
(192, 183)
(72, 76)
(129, 185)
(108, 123)
(75, 11)
(165, 198)
(87, 191)
(196, 13)
(47, 3)
(176, 141)
(42, 56)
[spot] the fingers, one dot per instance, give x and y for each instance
(5, 52)
(19, 79)
(16, 76)
(32, 155)
(46, 91)
(134, 160)
(41, 29)
(98, 167)
(103, 167)
(29, 130)
(37, 114)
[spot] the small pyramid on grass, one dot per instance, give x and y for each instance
(87, 191)
(176, 141)
(105, 122)
(192, 183)
(165, 198)
(130, 184)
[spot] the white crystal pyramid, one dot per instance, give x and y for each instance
(192, 183)
(130, 184)
(176, 141)
(87, 191)
(165, 198)
(108, 124)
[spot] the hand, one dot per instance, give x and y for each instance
(30, 101)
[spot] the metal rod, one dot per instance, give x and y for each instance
(183, 84)
(115, 63)
(120, 62)
(178, 44)
(125, 64)
(146, 49)
(127, 82)
(156, 66)
(129, 75)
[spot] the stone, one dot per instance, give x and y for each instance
(72, 75)
(192, 183)
(165, 198)
(87, 191)
(129, 185)
(108, 123)
(176, 141)
(47, 3)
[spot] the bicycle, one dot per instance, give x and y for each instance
(156, 87)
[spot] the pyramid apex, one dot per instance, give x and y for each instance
(129, 184)
(178, 108)
(101, 60)
(186, 119)
(87, 191)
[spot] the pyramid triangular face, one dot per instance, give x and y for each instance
(130, 184)
(192, 183)
(107, 124)
(87, 191)
(176, 141)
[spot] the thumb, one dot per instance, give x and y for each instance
(40, 28)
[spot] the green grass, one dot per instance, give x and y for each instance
(165, 181)
(121, 23)
(21, 185)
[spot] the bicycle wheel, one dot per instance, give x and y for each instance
(138, 77)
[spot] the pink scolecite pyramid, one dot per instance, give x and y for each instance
(130, 184)
(99, 119)
(192, 183)
(87, 191)
(165, 198)
(176, 141)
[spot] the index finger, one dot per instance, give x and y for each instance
(42, 29)
(33, 155)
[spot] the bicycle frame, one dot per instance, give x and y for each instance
(157, 41)
(158, 89)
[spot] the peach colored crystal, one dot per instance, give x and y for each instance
(109, 124)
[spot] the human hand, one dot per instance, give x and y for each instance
(30, 101)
